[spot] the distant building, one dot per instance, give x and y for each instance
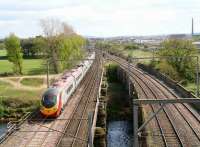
(197, 44)
(180, 36)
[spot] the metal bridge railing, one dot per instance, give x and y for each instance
(14, 125)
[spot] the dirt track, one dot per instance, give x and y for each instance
(16, 81)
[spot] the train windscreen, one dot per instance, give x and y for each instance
(49, 100)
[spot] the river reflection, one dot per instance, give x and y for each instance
(119, 134)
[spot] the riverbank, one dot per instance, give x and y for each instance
(16, 101)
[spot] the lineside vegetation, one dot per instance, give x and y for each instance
(182, 69)
(177, 68)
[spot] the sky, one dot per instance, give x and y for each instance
(101, 18)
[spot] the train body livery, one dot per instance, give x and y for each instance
(57, 95)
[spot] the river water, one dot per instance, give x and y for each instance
(3, 127)
(119, 134)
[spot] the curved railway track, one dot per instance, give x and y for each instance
(42, 132)
(178, 120)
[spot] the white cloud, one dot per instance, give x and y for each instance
(101, 17)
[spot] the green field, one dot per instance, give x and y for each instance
(30, 66)
(32, 81)
(2, 52)
(138, 53)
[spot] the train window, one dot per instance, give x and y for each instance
(49, 100)
(70, 88)
(78, 77)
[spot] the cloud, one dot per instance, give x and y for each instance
(101, 17)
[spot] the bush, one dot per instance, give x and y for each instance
(112, 72)
(131, 47)
(168, 69)
(16, 107)
(182, 67)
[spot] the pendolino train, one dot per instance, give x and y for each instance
(57, 95)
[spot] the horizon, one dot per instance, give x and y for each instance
(102, 18)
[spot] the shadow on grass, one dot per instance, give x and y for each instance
(32, 57)
(24, 57)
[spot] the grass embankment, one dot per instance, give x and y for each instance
(30, 66)
(191, 87)
(15, 102)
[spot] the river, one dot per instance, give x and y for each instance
(3, 127)
(119, 134)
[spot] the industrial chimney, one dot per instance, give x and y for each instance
(192, 26)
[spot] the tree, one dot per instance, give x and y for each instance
(32, 47)
(38, 46)
(62, 43)
(2, 46)
(27, 45)
(14, 53)
(184, 66)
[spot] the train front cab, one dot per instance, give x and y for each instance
(51, 103)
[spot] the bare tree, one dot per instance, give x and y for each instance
(68, 30)
(54, 27)
(51, 29)
(56, 34)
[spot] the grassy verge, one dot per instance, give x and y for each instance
(16, 102)
(32, 81)
(191, 87)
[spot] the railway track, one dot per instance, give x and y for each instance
(78, 127)
(178, 124)
(42, 132)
